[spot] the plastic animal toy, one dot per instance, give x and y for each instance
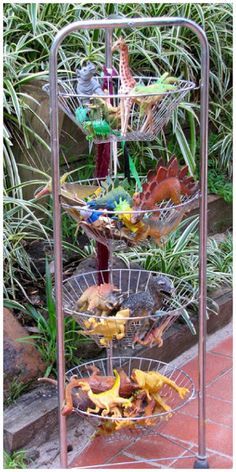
(87, 84)
(97, 129)
(146, 303)
(164, 183)
(126, 218)
(71, 191)
(127, 82)
(155, 335)
(107, 400)
(99, 299)
(146, 102)
(158, 229)
(111, 114)
(110, 327)
(152, 382)
(110, 199)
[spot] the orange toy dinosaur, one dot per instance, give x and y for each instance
(99, 299)
(155, 335)
(164, 183)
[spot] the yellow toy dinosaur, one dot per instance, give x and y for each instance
(112, 326)
(108, 401)
(152, 382)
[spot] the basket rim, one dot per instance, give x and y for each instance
(173, 368)
(165, 205)
(158, 314)
(189, 86)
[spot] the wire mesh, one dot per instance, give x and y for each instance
(143, 425)
(143, 319)
(90, 112)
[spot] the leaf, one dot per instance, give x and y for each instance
(15, 100)
(32, 9)
(185, 149)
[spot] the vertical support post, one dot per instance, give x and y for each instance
(57, 250)
(108, 62)
(201, 461)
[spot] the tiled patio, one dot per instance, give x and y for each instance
(178, 437)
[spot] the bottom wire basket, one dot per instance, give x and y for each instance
(166, 389)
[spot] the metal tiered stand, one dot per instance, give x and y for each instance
(63, 95)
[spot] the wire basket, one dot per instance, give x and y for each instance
(108, 225)
(126, 331)
(137, 423)
(148, 112)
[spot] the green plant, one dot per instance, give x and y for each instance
(180, 256)
(16, 460)
(15, 389)
(21, 226)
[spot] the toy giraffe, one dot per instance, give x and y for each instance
(127, 82)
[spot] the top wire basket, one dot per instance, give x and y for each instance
(137, 116)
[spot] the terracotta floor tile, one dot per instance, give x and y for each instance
(184, 463)
(218, 437)
(225, 347)
(217, 410)
(222, 387)
(155, 447)
(215, 366)
(98, 452)
(220, 462)
(123, 458)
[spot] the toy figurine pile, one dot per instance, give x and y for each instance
(109, 211)
(99, 118)
(128, 401)
(106, 314)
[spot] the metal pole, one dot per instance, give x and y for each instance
(108, 25)
(57, 250)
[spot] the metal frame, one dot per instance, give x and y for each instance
(109, 25)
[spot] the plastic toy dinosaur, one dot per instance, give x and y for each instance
(158, 229)
(155, 335)
(126, 218)
(147, 302)
(110, 327)
(148, 103)
(99, 299)
(110, 199)
(164, 183)
(127, 82)
(152, 382)
(71, 192)
(107, 400)
(110, 113)
(98, 129)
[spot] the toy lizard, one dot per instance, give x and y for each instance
(99, 299)
(126, 218)
(107, 400)
(110, 327)
(164, 183)
(152, 382)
